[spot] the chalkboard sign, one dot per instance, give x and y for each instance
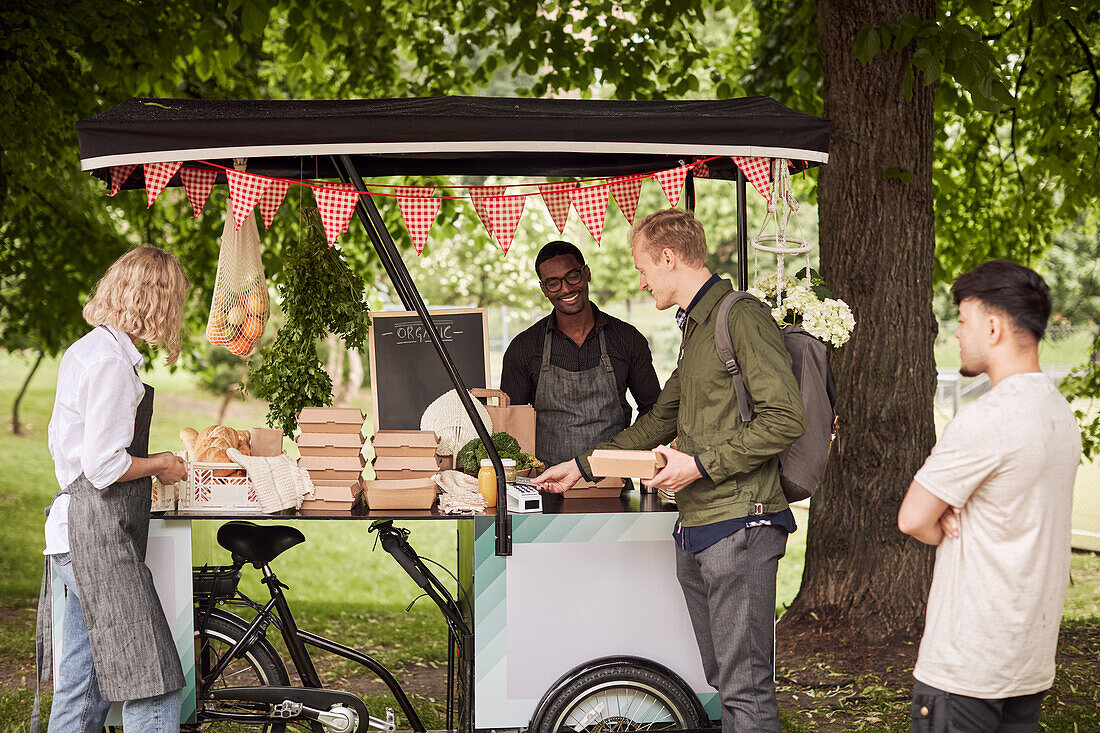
(405, 370)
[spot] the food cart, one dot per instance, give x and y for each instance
(604, 565)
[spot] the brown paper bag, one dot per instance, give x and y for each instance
(516, 420)
(266, 442)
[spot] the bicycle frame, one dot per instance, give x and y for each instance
(277, 611)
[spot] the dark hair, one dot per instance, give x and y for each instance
(556, 249)
(1013, 289)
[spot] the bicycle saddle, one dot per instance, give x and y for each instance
(258, 543)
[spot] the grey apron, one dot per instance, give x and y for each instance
(132, 646)
(575, 410)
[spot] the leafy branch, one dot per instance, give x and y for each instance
(320, 295)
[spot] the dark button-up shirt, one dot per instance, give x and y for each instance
(627, 348)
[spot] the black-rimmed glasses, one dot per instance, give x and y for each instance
(573, 277)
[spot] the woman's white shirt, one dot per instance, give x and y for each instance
(98, 392)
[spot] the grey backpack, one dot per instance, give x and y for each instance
(802, 464)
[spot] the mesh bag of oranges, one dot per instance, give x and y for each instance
(239, 310)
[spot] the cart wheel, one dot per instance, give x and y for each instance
(258, 666)
(619, 697)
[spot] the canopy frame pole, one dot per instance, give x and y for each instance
(376, 227)
(689, 192)
(742, 233)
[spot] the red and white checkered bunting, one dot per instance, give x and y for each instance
(556, 198)
(626, 192)
(758, 173)
(591, 205)
(119, 175)
(700, 169)
(419, 207)
(672, 183)
(197, 183)
(478, 194)
(504, 213)
(245, 190)
(336, 202)
(272, 199)
(157, 176)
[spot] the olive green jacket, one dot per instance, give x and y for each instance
(698, 406)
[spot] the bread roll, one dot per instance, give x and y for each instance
(229, 435)
(204, 435)
(189, 436)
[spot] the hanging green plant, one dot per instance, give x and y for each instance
(320, 295)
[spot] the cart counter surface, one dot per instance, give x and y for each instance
(631, 502)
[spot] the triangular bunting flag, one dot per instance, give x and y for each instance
(758, 173)
(700, 169)
(672, 183)
(478, 194)
(157, 176)
(272, 199)
(119, 175)
(197, 182)
(556, 198)
(626, 192)
(591, 206)
(419, 207)
(336, 206)
(503, 213)
(245, 191)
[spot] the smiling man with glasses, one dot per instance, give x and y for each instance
(576, 364)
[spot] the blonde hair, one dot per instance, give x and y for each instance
(142, 294)
(674, 229)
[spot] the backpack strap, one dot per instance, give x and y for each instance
(724, 345)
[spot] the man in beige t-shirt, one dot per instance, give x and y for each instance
(994, 497)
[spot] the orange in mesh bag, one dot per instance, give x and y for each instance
(239, 310)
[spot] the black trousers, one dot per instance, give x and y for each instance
(936, 711)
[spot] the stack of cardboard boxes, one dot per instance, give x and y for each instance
(331, 447)
(404, 462)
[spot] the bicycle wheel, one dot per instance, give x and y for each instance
(621, 697)
(258, 666)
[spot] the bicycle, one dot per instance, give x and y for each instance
(241, 678)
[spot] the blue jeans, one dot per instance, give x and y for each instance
(77, 705)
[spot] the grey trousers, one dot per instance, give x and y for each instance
(730, 592)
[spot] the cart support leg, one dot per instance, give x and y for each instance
(384, 243)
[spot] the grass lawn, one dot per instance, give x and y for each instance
(339, 584)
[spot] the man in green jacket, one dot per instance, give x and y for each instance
(734, 520)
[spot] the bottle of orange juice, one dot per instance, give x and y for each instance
(487, 482)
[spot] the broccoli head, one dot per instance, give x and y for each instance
(473, 453)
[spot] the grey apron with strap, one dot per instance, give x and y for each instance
(132, 645)
(575, 410)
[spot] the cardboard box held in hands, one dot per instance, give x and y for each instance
(638, 464)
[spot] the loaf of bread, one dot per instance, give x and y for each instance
(210, 445)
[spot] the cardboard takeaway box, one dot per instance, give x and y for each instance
(639, 464)
(331, 496)
(332, 420)
(329, 444)
(333, 468)
(405, 467)
(412, 443)
(417, 493)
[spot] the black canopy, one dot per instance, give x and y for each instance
(450, 135)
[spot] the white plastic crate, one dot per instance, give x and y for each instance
(164, 496)
(205, 492)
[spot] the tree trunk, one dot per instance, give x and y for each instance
(227, 397)
(877, 248)
(16, 427)
(353, 380)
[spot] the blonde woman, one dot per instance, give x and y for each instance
(117, 645)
